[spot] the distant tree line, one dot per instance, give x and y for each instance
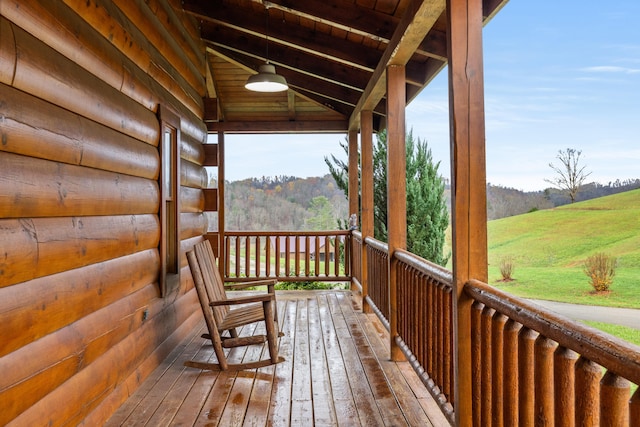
(284, 203)
(504, 201)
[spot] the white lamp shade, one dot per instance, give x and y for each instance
(266, 80)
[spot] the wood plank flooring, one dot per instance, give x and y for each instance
(336, 372)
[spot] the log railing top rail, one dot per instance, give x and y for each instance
(432, 270)
(376, 244)
(614, 354)
(288, 233)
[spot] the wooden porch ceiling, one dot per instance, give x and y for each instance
(333, 53)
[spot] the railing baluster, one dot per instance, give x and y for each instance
(476, 361)
(247, 256)
(497, 368)
(510, 409)
(526, 378)
(587, 401)
(237, 247)
(486, 374)
(439, 331)
(432, 329)
(267, 256)
(564, 386)
(634, 409)
(447, 331)
(258, 263)
(297, 255)
(307, 254)
(544, 349)
(614, 400)
(277, 255)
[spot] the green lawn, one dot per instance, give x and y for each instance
(570, 285)
(549, 248)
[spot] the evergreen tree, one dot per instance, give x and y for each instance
(427, 214)
(321, 215)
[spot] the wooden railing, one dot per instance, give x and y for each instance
(378, 278)
(425, 324)
(288, 256)
(531, 366)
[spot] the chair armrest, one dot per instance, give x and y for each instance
(243, 285)
(243, 300)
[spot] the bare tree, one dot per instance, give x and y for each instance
(570, 175)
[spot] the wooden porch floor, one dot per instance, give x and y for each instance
(336, 372)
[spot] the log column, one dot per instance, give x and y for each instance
(354, 188)
(366, 220)
(222, 249)
(396, 190)
(468, 177)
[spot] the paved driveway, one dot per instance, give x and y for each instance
(617, 316)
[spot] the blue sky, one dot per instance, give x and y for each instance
(558, 74)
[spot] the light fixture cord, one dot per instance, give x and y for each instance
(266, 9)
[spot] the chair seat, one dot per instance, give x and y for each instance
(242, 315)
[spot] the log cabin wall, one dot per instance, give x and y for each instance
(82, 319)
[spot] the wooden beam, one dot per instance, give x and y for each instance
(217, 15)
(336, 126)
(210, 155)
(396, 191)
(211, 109)
(410, 32)
(468, 180)
(291, 104)
(345, 16)
(210, 199)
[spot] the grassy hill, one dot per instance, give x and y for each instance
(550, 246)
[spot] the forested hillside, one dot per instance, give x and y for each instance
(285, 203)
(504, 202)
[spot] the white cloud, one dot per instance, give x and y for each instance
(611, 69)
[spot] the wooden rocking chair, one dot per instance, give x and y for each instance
(226, 314)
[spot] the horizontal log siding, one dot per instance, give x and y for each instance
(99, 53)
(81, 318)
(36, 128)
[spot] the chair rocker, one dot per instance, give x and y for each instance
(226, 314)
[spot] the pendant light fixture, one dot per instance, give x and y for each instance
(266, 80)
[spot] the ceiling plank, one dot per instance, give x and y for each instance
(299, 61)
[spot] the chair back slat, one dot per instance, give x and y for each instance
(214, 285)
(198, 281)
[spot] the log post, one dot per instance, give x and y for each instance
(396, 190)
(468, 177)
(222, 249)
(366, 220)
(354, 187)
